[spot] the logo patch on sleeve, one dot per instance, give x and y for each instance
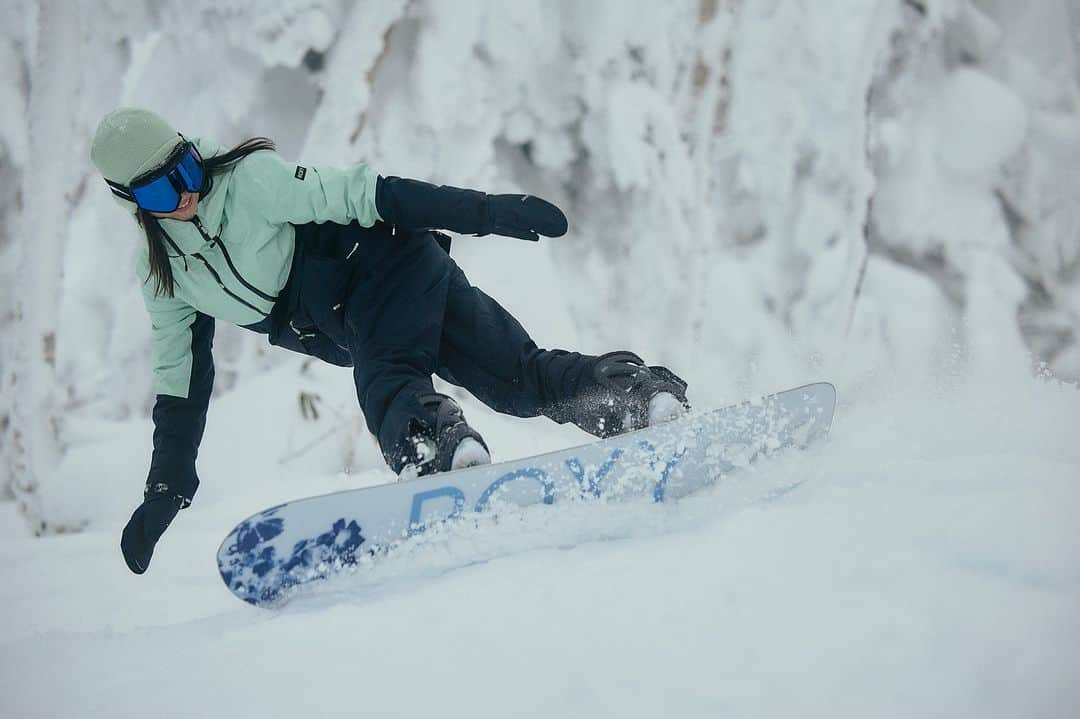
(300, 172)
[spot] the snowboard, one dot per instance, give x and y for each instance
(270, 554)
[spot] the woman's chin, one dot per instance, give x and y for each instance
(188, 212)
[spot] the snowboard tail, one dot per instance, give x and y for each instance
(272, 552)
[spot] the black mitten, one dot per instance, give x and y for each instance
(144, 529)
(524, 217)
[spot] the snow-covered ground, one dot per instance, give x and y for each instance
(929, 566)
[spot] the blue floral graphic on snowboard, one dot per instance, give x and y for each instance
(255, 571)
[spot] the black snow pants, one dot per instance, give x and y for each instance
(399, 309)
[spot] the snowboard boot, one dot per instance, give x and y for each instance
(439, 442)
(628, 394)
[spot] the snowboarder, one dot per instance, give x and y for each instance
(347, 266)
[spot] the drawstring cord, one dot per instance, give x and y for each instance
(177, 249)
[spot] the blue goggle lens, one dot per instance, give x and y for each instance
(157, 196)
(162, 194)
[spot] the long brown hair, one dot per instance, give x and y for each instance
(160, 269)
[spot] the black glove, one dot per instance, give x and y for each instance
(144, 529)
(412, 204)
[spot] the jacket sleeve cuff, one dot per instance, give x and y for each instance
(179, 486)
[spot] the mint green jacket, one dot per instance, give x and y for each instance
(237, 268)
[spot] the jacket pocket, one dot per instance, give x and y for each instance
(309, 340)
(290, 325)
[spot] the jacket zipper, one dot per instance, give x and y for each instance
(230, 293)
(229, 262)
(213, 272)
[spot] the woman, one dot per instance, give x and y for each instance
(344, 265)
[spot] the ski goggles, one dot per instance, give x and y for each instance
(159, 190)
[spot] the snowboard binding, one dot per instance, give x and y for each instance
(441, 441)
(627, 395)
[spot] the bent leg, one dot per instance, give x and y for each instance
(486, 350)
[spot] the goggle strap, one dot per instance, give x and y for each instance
(120, 191)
